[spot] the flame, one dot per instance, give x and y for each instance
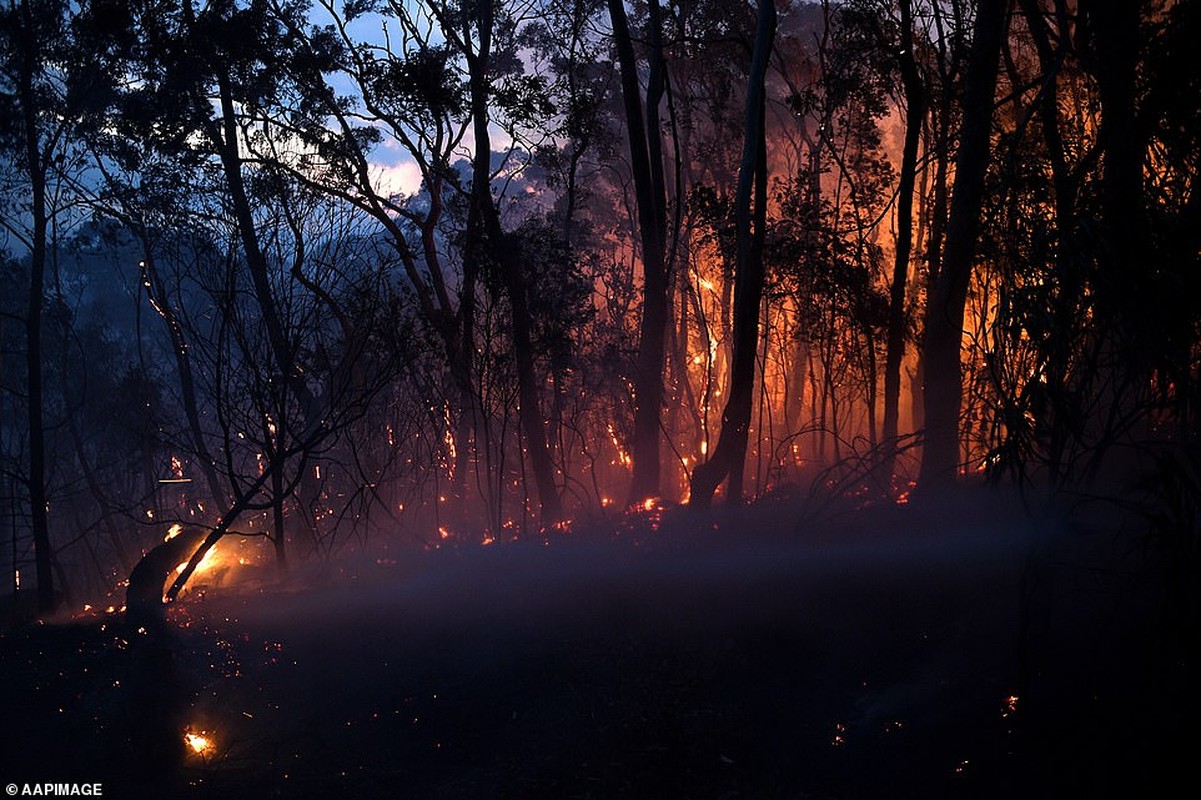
(622, 455)
(173, 531)
(448, 439)
(200, 743)
(222, 564)
(208, 562)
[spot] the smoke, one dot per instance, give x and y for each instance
(758, 648)
(902, 594)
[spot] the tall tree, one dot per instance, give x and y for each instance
(729, 457)
(948, 294)
(914, 96)
(472, 36)
(39, 104)
(646, 161)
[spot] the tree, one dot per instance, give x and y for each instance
(729, 457)
(42, 101)
(945, 305)
(646, 161)
(914, 95)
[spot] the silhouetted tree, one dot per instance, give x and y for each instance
(945, 304)
(729, 457)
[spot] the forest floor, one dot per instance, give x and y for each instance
(936, 650)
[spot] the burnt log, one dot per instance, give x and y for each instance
(144, 598)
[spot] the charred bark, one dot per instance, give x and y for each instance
(144, 597)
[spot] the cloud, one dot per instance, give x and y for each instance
(402, 178)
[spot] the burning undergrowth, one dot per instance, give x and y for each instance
(889, 652)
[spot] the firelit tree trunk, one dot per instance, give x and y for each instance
(484, 224)
(915, 115)
(945, 305)
(646, 162)
(730, 455)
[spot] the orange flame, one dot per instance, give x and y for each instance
(200, 743)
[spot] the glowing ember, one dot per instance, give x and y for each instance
(652, 504)
(172, 532)
(199, 743)
(622, 456)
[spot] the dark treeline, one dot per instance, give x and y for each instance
(310, 270)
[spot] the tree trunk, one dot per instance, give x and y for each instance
(484, 226)
(1128, 277)
(915, 113)
(183, 363)
(945, 306)
(729, 457)
(647, 165)
(43, 554)
(277, 515)
(1068, 295)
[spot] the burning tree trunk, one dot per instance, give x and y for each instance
(730, 455)
(945, 306)
(646, 161)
